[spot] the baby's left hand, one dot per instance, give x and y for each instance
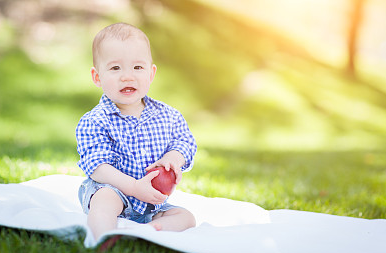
(171, 160)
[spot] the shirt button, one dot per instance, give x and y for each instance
(143, 151)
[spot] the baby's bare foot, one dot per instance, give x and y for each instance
(156, 226)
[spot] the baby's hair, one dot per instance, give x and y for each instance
(121, 31)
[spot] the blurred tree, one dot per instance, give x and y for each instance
(355, 20)
(223, 48)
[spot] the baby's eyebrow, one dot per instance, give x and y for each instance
(140, 62)
(113, 62)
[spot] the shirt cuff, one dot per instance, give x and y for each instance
(89, 163)
(184, 149)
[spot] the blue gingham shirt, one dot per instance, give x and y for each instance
(104, 135)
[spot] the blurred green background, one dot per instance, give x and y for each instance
(265, 86)
(241, 79)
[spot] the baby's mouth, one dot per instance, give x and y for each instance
(128, 90)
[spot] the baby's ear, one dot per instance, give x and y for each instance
(152, 73)
(95, 77)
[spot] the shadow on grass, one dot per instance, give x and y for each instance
(249, 161)
(47, 151)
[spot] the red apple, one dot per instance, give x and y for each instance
(165, 182)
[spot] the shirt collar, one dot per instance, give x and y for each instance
(150, 108)
(108, 105)
(111, 108)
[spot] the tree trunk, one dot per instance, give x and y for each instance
(355, 20)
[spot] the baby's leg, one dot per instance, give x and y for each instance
(176, 219)
(105, 206)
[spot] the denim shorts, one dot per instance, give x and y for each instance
(89, 187)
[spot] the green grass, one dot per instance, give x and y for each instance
(350, 183)
(13, 240)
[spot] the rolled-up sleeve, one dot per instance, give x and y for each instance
(183, 141)
(93, 146)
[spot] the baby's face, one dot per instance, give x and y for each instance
(125, 71)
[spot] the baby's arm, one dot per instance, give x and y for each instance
(140, 189)
(182, 142)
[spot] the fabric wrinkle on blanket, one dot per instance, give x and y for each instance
(50, 205)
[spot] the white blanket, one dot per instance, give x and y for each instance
(49, 204)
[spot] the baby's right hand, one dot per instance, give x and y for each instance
(145, 192)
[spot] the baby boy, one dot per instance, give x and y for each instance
(127, 134)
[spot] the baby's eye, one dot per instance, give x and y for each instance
(138, 67)
(115, 68)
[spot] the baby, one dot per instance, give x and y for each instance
(126, 135)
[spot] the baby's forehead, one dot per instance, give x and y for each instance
(113, 44)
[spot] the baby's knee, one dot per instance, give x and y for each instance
(106, 200)
(189, 218)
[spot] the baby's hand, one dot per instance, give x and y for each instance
(145, 192)
(172, 160)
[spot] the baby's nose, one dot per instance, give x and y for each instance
(127, 75)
